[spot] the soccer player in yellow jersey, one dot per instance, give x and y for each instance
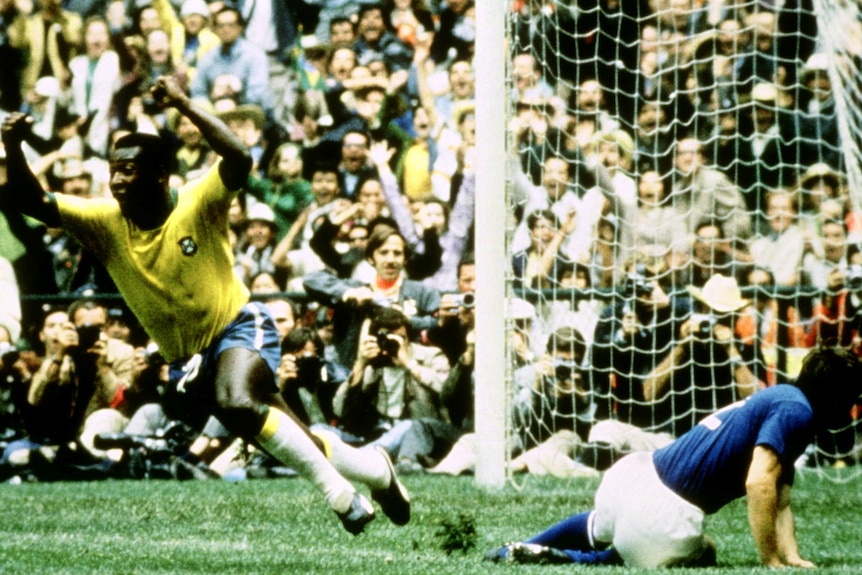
(168, 252)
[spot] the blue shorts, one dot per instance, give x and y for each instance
(191, 392)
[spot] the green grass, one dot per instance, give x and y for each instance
(282, 526)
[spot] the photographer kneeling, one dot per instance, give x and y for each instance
(394, 386)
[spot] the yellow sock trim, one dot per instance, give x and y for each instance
(327, 446)
(270, 425)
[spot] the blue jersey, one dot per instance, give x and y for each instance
(708, 465)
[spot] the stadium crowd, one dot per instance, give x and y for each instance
(658, 175)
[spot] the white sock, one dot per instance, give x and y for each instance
(366, 465)
(282, 438)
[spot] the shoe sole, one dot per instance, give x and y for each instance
(355, 525)
(394, 500)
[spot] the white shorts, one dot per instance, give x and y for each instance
(648, 524)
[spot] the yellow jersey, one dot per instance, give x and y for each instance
(178, 279)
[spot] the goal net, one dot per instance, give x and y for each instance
(684, 190)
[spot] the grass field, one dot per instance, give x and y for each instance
(282, 526)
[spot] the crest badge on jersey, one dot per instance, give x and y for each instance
(188, 246)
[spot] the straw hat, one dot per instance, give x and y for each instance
(721, 294)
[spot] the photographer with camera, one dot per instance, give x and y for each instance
(709, 367)
(354, 301)
(837, 316)
(307, 380)
(553, 409)
(394, 384)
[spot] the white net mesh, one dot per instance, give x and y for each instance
(655, 146)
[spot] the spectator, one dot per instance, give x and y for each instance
(95, 79)
(589, 113)
(767, 158)
(540, 265)
(260, 233)
(264, 283)
(284, 188)
(552, 394)
(701, 194)
(712, 253)
(707, 368)
(50, 38)
(658, 223)
(190, 35)
(283, 313)
(782, 250)
(633, 335)
(820, 119)
(307, 381)
(455, 336)
(193, 154)
(824, 267)
(293, 251)
(355, 166)
(341, 31)
(394, 382)
(451, 230)
(238, 57)
(461, 88)
(374, 37)
(456, 33)
(654, 142)
(387, 252)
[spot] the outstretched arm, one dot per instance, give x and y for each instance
(27, 195)
(236, 160)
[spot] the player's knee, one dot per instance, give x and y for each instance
(242, 416)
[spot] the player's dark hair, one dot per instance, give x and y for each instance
(155, 153)
(831, 379)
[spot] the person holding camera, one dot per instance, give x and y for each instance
(709, 367)
(307, 380)
(354, 300)
(394, 384)
(553, 408)
(70, 386)
(837, 315)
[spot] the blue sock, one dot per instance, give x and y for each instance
(606, 557)
(571, 533)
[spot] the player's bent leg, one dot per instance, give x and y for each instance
(282, 436)
(372, 467)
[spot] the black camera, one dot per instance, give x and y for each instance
(309, 370)
(88, 335)
(564, 369)
(637, 284)
(853, 277)
(702, 325)
(465, 300)
(152, 355)
(387, 345)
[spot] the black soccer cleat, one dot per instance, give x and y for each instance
(394, 500)
(360, 514)
(527, 553)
